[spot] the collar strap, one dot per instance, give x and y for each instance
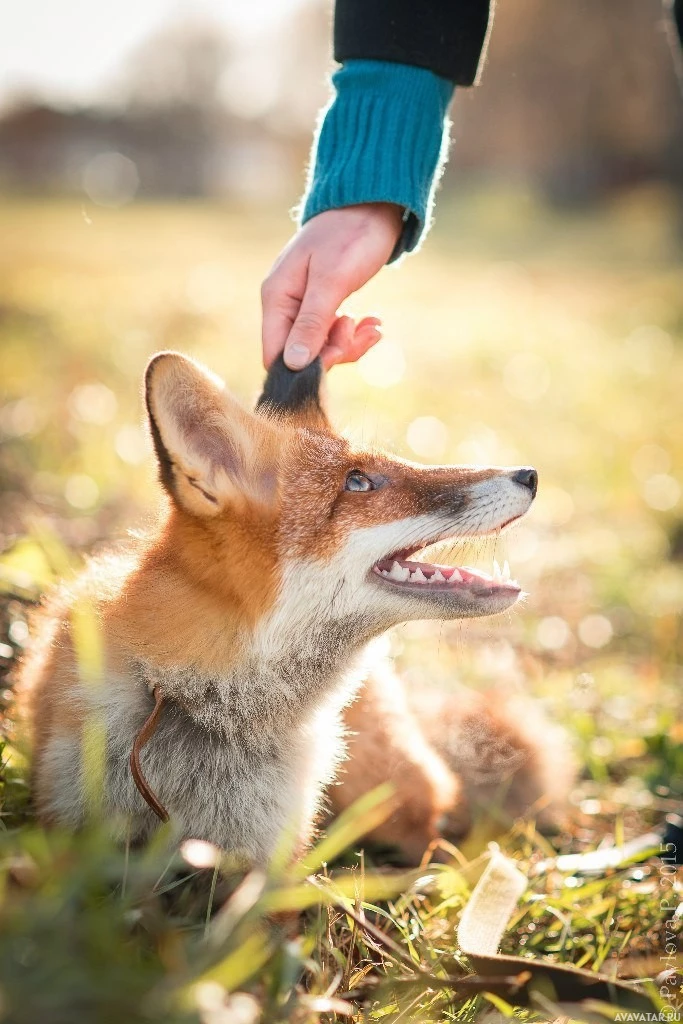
(146, 732)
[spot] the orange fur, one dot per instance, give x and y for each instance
(512, 760)
(224, 609)
(386, 743)
(454, 757)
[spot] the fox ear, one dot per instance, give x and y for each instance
(297, 394)
(211, 452)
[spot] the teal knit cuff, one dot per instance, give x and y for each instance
(383, 138)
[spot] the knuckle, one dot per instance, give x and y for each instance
(310, 322)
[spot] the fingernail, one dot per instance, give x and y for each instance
(297, 356)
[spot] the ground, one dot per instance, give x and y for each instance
(517, 336)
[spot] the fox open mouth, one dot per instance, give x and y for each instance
(484, 593)
(443, 577)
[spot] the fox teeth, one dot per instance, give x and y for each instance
(506, 572)
(438, 577)
(418, 576)
(399, 573)
(497, 574)
(455, 577)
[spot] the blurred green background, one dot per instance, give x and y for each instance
(147, 168)
(567, 357)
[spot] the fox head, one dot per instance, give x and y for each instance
(300, 533)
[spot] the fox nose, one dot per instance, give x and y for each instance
(527, 477)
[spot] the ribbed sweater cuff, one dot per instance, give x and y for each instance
(382, 138)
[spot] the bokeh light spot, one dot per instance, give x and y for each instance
(110, 179)
(383, 366)
(81, 491)
(93, 403)
(602, 746)
(21, 418)
(18, 632)
(200, 854)
(209, 996)
(131, 445)
(552, 633)
(662, 492)
(595, 631)
(649, 349)
(650, 459)
(479, 448)
(428, 437)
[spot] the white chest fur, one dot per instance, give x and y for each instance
(237, 761)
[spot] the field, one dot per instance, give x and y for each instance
(516, 337)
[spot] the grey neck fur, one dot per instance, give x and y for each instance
(237, 758)
(259, 694)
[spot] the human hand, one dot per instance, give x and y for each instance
(333, 255)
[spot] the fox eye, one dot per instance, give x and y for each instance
(357, 481)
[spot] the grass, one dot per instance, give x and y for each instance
(515, 337)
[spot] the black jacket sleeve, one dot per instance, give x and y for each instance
(444, 36)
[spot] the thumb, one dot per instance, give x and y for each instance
(310, 330)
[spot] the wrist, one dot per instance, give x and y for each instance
(390, 215)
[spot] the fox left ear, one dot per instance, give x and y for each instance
(297, 394)
(211, 452)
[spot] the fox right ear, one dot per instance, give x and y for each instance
(211, 452)
(299, 394)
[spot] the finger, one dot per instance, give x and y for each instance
(331, 355)
(341, 333)
(339, 346)
(364, 338)
(349, 349)
(338, 341)
(367, 326)
(276, 325)
(314, 321)
(281, 295)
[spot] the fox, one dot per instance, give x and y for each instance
(235, 635)
(457, 760)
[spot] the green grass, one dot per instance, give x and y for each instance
(525, 338)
